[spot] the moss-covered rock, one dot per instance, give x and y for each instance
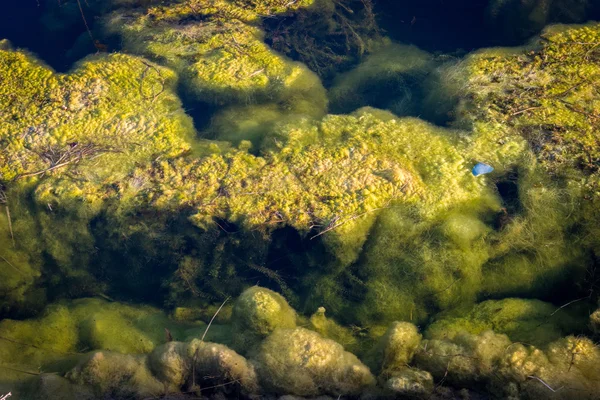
(216, 364)
(171, 364)
(513, 369)
(522, 320)
(301, 362)
(219, 52)
(55, 387)
(395, 349)
(118, 375)
(258, 312)
(410, 382)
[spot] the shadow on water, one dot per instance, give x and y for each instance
(20, 23)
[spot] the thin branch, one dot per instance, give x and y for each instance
(213, 318)
(10, 229)
(85, 22)
(544, 383)
(9, 263)
(568, 304)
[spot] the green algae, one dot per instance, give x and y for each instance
(528, 321)
(402, 228)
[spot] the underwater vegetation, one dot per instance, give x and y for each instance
(388, 221)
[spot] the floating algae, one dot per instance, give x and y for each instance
(364, 254)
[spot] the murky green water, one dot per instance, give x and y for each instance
(341, 198)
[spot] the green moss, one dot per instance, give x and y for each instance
(556, 112)
(527, 321)
(301, 362)
(330, 329)
(257, 313)
(219, 52)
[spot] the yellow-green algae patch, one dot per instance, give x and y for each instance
(528, 321)
(218, 50)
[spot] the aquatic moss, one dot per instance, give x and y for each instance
(544, 93)
(301, 362)
(522, 320)
(258, 312)
(219, 52)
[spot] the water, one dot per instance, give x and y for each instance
(309, 212)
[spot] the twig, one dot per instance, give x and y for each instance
(345, 221)
(9, 263)
(18, 370)
(12, 235)
(85, 22)
(544, 383)
(213, 318)
(568, 304)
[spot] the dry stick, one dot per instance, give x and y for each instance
(348, 220)
(568, 304)
(544, 383)
(9, 263)
(10, 224)
(213, 318)
(85, 22)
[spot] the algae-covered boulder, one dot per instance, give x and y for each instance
(566, 369)
(395, 349)
(522, 320)
(595, 321)
(55, 387)
(171, 364)
(410, 382)
(301, 362)
(258, 312)
(218, 51)
(216, 364)
(118, 375)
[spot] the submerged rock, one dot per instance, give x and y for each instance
(217, 364)
(301, 362)
(114, 374)
(395, 349)
(258, 312)
(523, 320)
(410, 382)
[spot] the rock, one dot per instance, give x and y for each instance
(171, 363)
(215, 364)
(411, 382)
(396, 348)
(257, 313)
(301, 362)
(117, 375)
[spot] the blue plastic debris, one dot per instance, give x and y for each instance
(482, 169)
